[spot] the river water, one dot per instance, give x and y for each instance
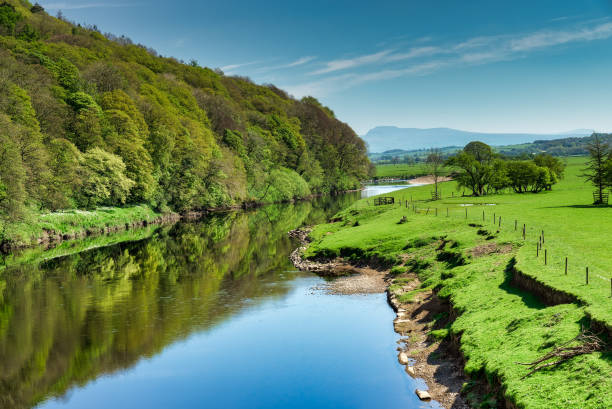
(209, 314)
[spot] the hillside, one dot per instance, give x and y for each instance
(385, 138)
(571, 146)
(89, 120)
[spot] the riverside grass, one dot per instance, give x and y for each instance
(497, 323)
(73, 221)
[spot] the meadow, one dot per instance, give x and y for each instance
(499, 324)
(403, 170)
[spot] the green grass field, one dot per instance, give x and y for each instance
(403, 171)
(498, 323)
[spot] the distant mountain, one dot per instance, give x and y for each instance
(385, 138)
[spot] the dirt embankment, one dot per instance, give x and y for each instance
(435, 362)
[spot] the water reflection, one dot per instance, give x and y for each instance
(67, 320)
(379, 189)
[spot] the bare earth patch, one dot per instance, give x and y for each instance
(433, 361)
(428, 180)
(363, 280)
(490, 248)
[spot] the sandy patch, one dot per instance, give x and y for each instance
(361, 281)
(428, 180)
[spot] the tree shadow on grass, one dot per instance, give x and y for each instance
(530, 300)
(592, 206)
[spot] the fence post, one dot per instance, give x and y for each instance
(466, 212)
(494, 219)
(499, 220)
(542, 236)
(524, 231)
(483, 215)
(515, 225)
(587, 276)
(565, 265)
(545, 256)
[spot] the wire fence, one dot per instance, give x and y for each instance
(542, 252)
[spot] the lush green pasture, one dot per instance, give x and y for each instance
(573, 228)
(499, 324)
(402, 170)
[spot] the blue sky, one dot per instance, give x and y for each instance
(512, 66)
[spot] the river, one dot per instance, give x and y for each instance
(198, 314)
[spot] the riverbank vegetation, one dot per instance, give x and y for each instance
(90, 119)
(511, 295)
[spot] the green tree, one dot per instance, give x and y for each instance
(65, 165)
(474, 162)
(554, 165)
(8, 18)
(12, 179)
(104, 179)
(598, 167)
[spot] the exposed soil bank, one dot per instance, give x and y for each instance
(435, 362)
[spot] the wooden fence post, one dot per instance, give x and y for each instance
(483, 215)
(565, 265)
(542, 236)
(587, 276)
(545, 256)
(524, 227)
(466, 212)
(499, 220)
(515, 225)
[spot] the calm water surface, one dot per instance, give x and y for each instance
(197, 315)
(374, 190)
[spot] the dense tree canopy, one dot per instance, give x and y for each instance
(482, 171)
(88, 119)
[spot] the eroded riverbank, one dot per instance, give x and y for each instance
(436, 362)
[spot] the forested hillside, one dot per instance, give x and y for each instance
(90, 120)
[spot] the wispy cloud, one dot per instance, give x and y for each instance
(232, 67)
(426, 60)
(337, 65)
(297, 63)
(300, 61)
(72, 6)
(551, 38)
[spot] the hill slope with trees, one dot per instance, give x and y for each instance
(90, 120)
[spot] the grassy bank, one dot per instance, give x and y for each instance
(470, 262)
(74, 223)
